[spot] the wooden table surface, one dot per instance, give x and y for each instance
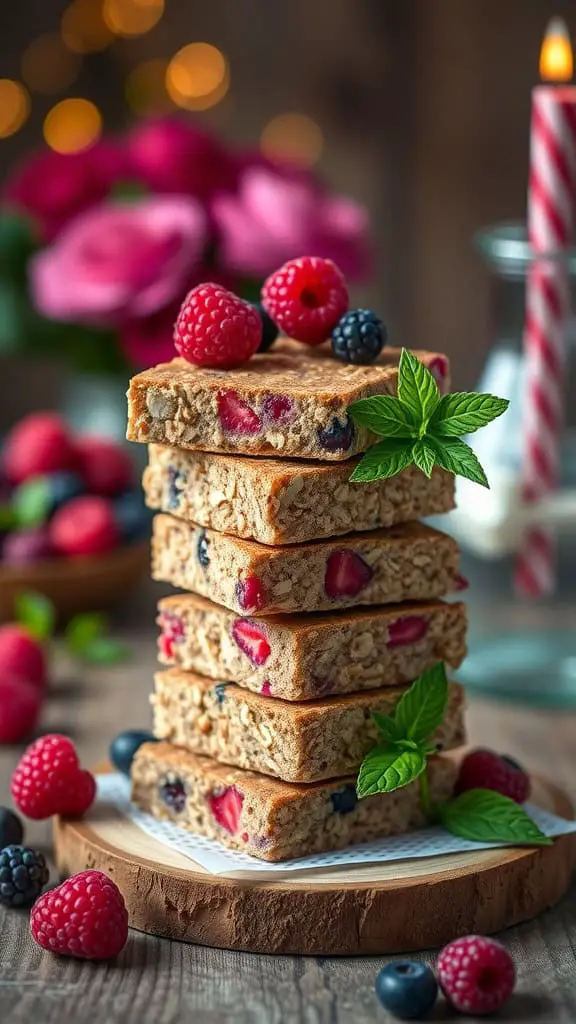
(158, 982)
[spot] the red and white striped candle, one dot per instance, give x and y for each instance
(551, 204)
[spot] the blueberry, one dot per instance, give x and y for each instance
(202, 550)
(11, 828)
(62, 487)
(173, 793)
(174, 491)
(269, 329)
(359, 337)
(219, 691)
(132, 516)
(344, 800)
(407, 988)
(125, 745)
(338, 436)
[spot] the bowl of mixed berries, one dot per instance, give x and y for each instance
(73, 524)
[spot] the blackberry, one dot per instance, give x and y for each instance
(202, 550)
(11, 828)
(344, 800)
(338, 436)
(23, 875)
(359, 336)
(269, 330)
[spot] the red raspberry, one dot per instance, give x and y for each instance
(105, 467)
(40, 443)
(20, 703)
(306, 298)
(49, 780)
(476, 974)
(407, 630)
(227, 808)
(85, 917)
(484, 769)
(235, 415)
(85, 526)
(251, 594)
(21, 655)
(216, 328)
(346, 574)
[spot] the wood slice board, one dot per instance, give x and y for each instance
(356, 909)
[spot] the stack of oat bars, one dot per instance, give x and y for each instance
(308, 602)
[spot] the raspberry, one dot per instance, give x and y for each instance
(48, 780)
(24, 547)
(484, 769)
(251, 594)
(21, 655)
(306, 298)
(407, 630)
(20, 704)
(235, 415)
(439, 369)
(359, 337)
(23, 875)
(105, 467)
(85, 526)
(40, 443)
(216, 328)
(278, 409)
(85, 917)
(251, 640)
(227, 808)
(266, 689)
(346, 574)
(476, 974)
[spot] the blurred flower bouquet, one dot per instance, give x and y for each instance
(97, 249)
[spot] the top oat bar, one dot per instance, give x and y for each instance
(290, 401)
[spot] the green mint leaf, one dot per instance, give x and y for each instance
(417, 390)
(457, 457)
(83, 630)
(104, 650)
(385, 769)
(7, 518)
(386, 725)
(383, 460)
(36, 613)
(31, 502)
(424, 456)
(421, 708)
(485, 817)
(128, 191)
(463, 413)
(385, 416)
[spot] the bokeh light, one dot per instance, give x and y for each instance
(292, 137)
(132, 17)
(83, 27)
(146, 88)
(48, 66)
(72, 125)
(14, 107)
(198, 77)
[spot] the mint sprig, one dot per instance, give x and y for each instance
(485, 816)
(422, 428)
(86, 638)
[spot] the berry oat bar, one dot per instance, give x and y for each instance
(410, 562)
(277, 501)
(296, 742)
(303, 657)
(289, 401)
(270, 819)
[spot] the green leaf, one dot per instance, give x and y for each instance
(383, 460)
(105, 651)
(485, 816)
(457, 457)
(424, 456)
(417, 390)
(387, 726)
(36, 613)
(385, 769)
(463, 413)
(32, 503)
(384, 415)
(422, 707)
(128, 191)
(7, 517)
(83, 630)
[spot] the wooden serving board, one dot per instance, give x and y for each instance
(377, 908)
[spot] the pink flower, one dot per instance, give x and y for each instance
(120, 261)
(276, 217)
(55, 187)
(171, 156)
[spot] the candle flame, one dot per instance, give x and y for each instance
(556, 58)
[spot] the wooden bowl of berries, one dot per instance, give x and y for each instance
(73, 526)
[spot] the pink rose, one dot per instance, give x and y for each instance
(171, 156)
(55, 187)
(276, 217)
(120, 260)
